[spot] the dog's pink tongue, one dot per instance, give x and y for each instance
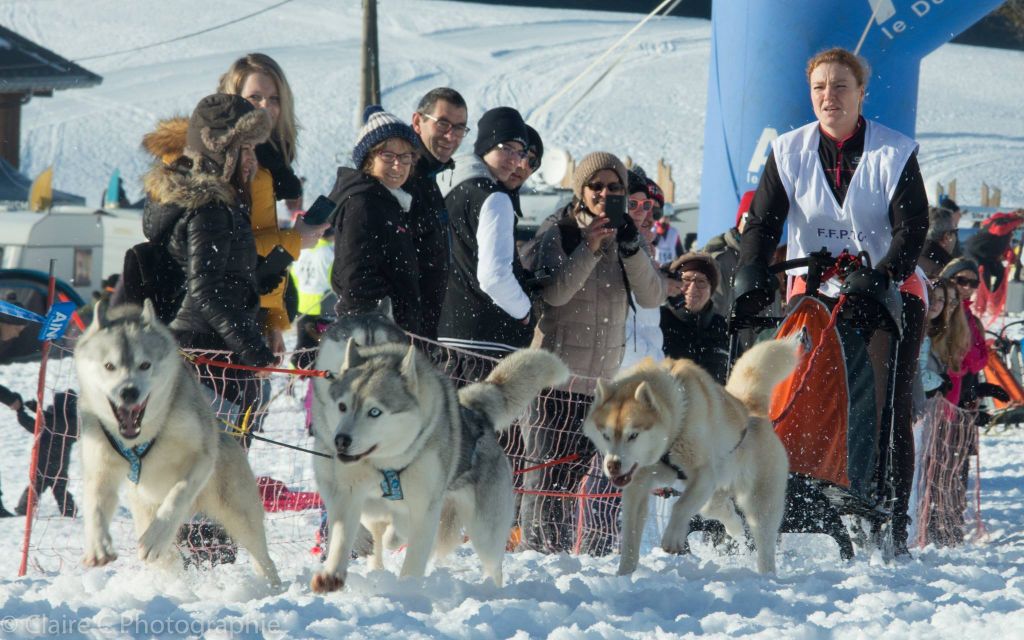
(130, 420)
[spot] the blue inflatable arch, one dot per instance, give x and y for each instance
(757, 88)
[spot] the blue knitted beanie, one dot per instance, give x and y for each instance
(379, 125)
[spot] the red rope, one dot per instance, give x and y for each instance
(802, 384)
(569, 458)
(565, 494)
(314, 373)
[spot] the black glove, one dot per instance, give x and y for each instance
(989, 390)
(754, 289)
(628, 238)
(287, 185)
(267, 281)
(982, 419)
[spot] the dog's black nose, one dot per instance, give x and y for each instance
(130, 395)
(342, 441)
(614, 466)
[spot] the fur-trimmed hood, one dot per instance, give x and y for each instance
(171, 188)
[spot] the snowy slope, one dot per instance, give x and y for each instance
(651, 106)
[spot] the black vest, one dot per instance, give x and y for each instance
(469, 313)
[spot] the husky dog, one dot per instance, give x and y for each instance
(411, 456)
(367, 329)
(145, 419)
(659, 423)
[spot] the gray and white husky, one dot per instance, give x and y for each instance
(145, 420)
(414, 461)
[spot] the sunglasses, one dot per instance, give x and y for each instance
(613, 187)
(643, 205)
(967, 282)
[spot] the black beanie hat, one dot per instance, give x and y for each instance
(536, 144)
(501, 124)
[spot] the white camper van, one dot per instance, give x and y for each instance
(89, 244)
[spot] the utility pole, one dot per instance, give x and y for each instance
(371, 59)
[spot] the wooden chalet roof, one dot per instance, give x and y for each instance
(27, 67)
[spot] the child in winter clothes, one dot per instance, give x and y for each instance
(59, 432)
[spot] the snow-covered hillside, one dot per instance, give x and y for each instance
(651, 106)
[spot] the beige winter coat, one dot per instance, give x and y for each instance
(583, 318)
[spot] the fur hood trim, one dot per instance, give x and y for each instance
(189, 190)
(167, 141)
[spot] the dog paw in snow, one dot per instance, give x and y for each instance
(325, 582)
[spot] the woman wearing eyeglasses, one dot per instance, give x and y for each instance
(643, 331)
(689, 322)
(594, 267)
(374, 250)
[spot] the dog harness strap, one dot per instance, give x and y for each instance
(133, 455)
(391, 485)
(668, 463)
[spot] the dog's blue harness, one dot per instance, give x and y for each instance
(472, 424)
(133, 455)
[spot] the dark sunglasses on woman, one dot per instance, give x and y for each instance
(967, 282)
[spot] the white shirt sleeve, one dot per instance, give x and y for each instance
(496, 243)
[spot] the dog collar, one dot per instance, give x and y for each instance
(391, 485)
(668, 463)
(133, 455)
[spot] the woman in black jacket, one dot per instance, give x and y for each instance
(198, 206)
(374, 247)
(689, 323)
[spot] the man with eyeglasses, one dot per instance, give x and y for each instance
(486, 308)
(440, 124)
(692, 327)
(525, 168)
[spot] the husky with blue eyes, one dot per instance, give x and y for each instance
(413, 460)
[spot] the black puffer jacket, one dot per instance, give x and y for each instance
(209, 235)
(374, 249)
(429, 219)
(700, 337)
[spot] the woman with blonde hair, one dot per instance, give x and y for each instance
(260, 80)
(947, 341)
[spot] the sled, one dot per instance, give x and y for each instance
(827, 427)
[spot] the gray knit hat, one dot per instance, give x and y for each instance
(379, 125)
(218, 127)
(956, 265)
(591, 164)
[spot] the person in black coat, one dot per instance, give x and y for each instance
(440, 125)
(689, 323)
(375, 250)
(198, 206)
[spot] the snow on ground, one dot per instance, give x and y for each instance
(651, 106)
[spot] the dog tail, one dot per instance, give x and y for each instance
(756, 373)
(513, 384)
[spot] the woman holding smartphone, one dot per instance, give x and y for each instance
(595, 258)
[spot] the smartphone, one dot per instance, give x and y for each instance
(320, 212)
(275, 262)
(615, 209)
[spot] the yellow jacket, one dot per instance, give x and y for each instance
(268, 234)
